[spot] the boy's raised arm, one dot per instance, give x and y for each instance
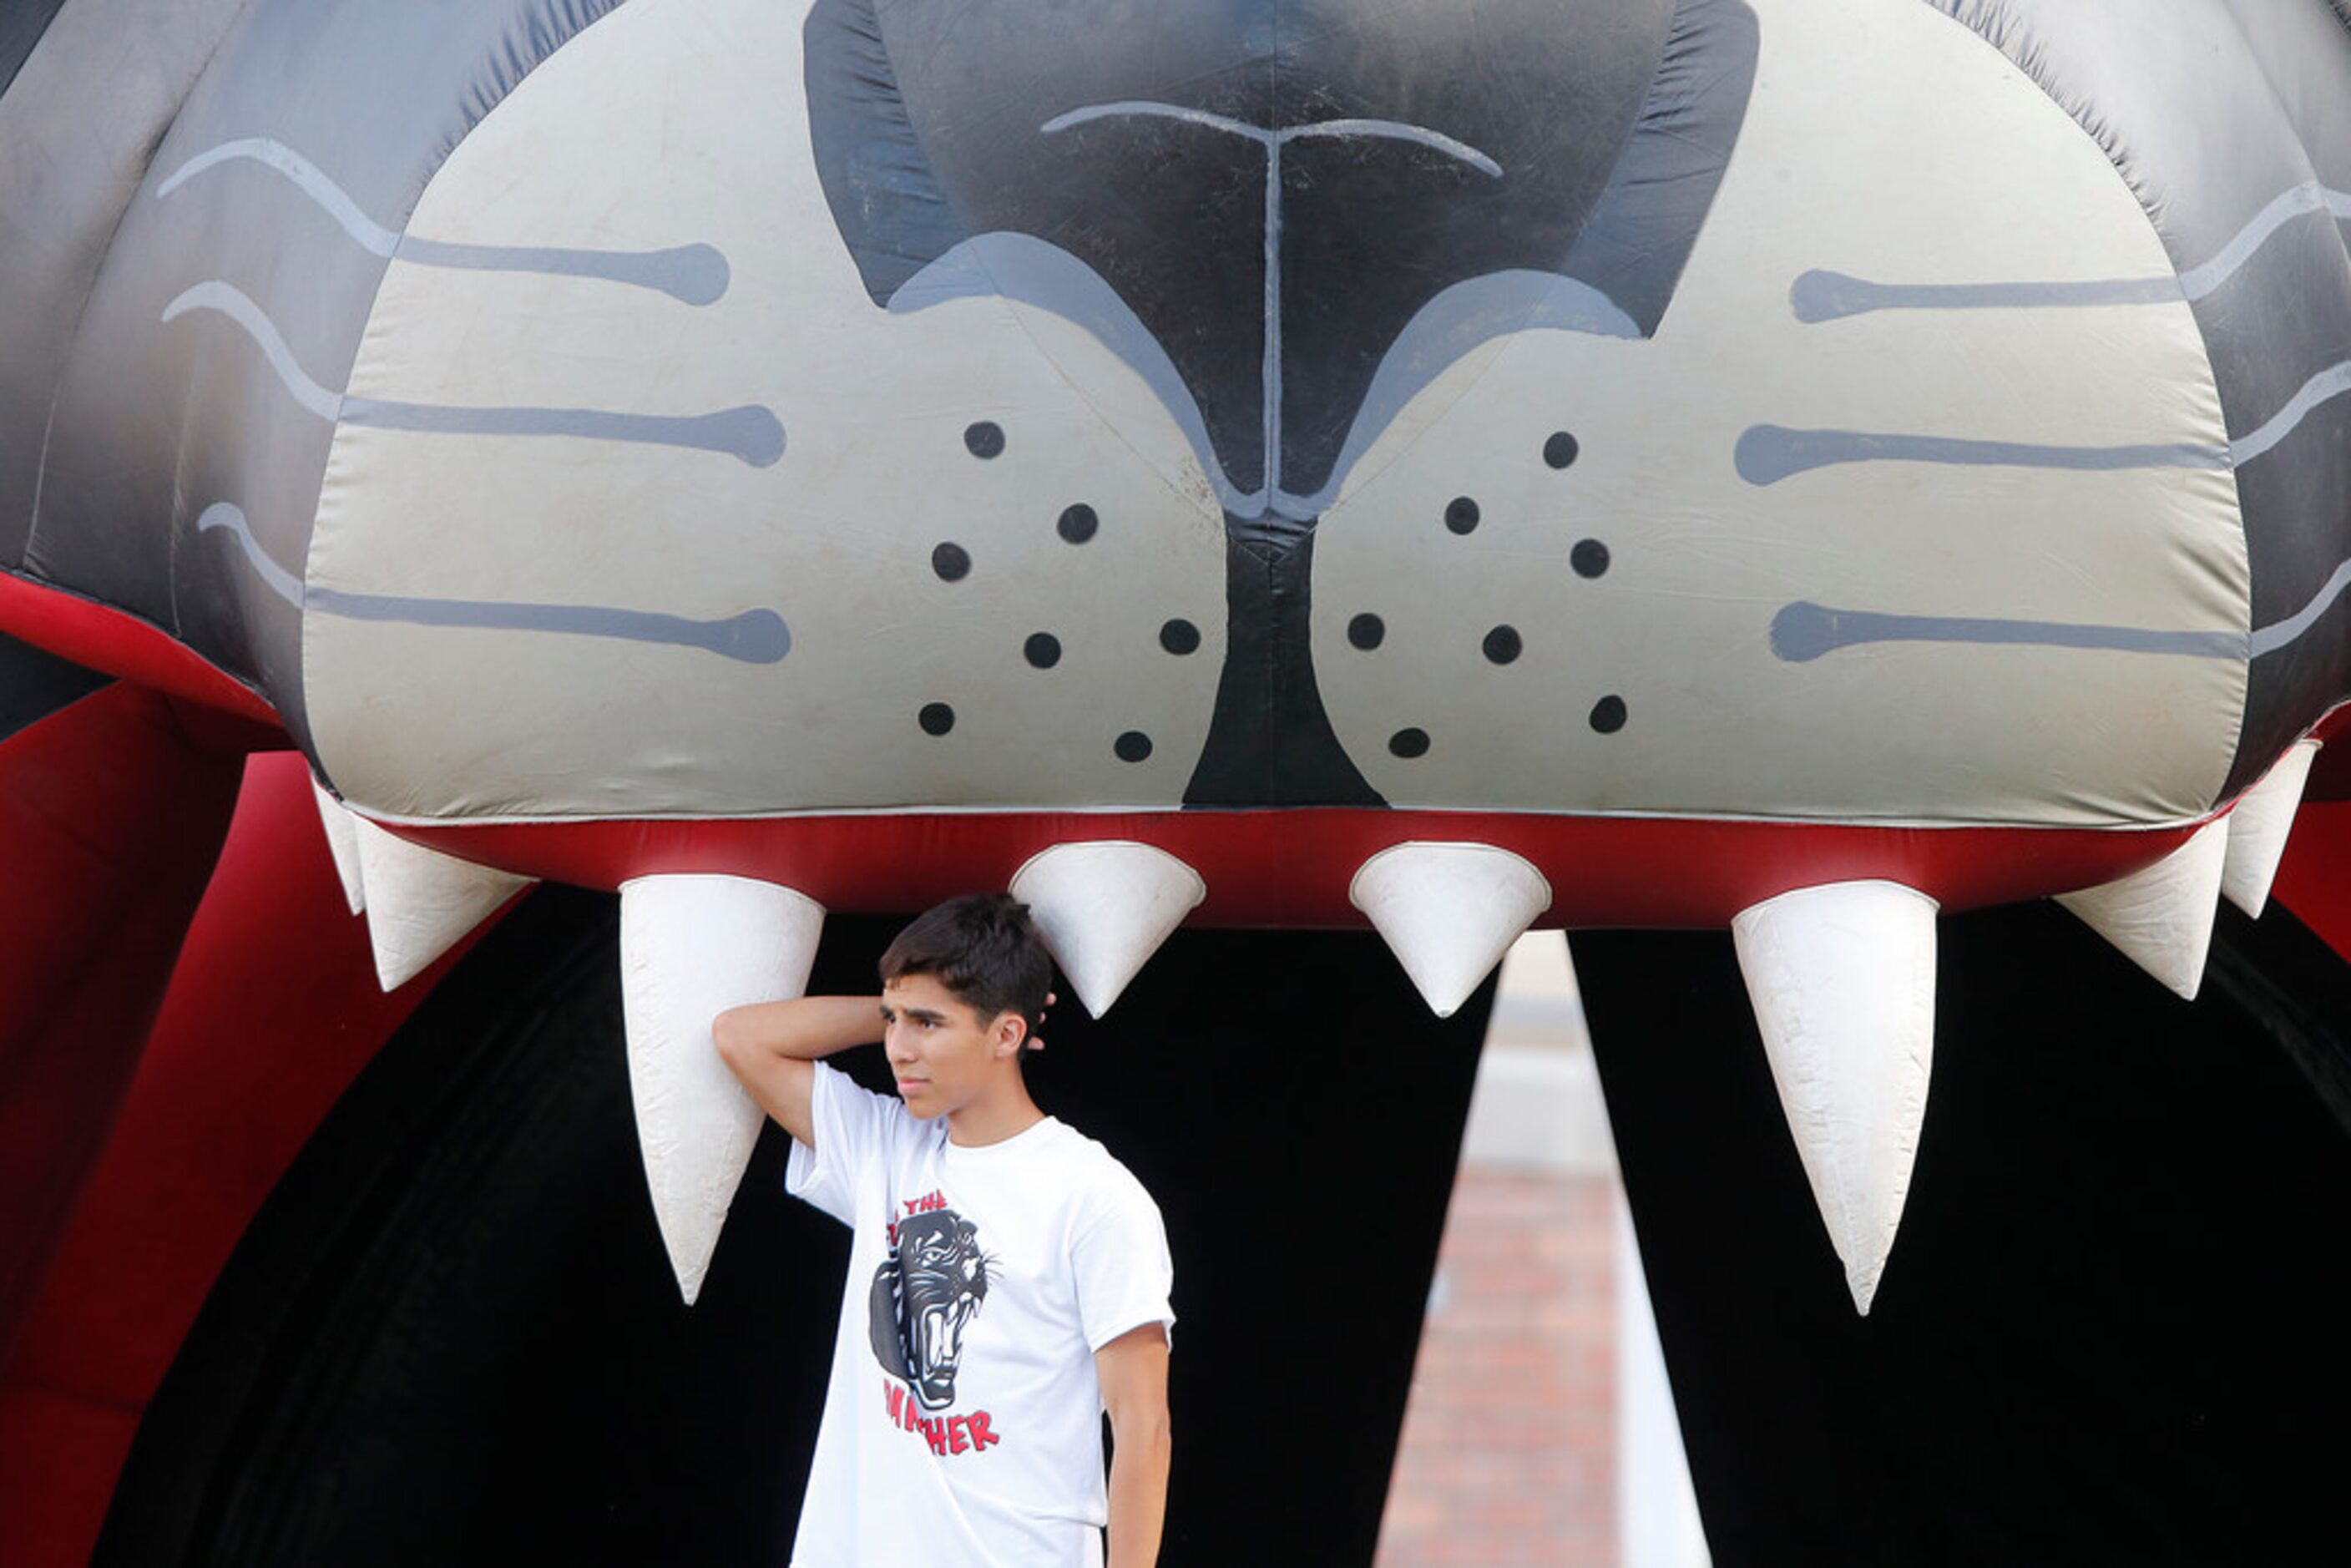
(770, 1045)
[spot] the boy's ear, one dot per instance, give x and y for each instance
(1008, 1033)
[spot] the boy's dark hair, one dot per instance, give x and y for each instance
(983, 948)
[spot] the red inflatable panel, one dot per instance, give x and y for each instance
(110, 819)
(2314, 878)
(271, 1012)
(121, 645)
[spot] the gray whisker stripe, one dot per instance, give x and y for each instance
(692, 274)
(233, 304)
(1767, 454)
(754, 637)
(750, 433)
(1823, 296)
(1803, 632)
(2202, 279)
(2278, 633)
(304, 176)
(2327, 385)
(280, 581)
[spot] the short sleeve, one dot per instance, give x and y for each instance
(852, 1129)
(1124, 1274)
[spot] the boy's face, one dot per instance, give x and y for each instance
(942, 1053)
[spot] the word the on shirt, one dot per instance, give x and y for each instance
(930, 1203)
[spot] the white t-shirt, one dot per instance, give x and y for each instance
(963, 1419)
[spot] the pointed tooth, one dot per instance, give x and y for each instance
(1448, 912)
(1842, 980)
(343, 843)
(691, 947)
(2161, 917)
(2259, 826)
(422, 902)
(1103, 908)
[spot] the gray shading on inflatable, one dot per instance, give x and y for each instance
(749, 433)
(885, 197)
(1272, 495)
(1289, 222)
(22, 24)
(133, 419)
(756, 636)
(1633, 246)
(1613, 215)
(1767, 454)
(1020, 268)
(692, 274)
(1448, 329)
(2229, 122)
(1026, 269)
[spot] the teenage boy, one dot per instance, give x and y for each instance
(1008, 1279)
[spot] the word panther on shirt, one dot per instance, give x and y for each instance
(946, 1434)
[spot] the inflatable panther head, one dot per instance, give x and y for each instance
(1797, 464)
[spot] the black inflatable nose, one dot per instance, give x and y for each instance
(1275, 192)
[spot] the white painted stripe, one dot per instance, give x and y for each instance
(1383, 130)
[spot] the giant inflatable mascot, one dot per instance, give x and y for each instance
(1769, 483)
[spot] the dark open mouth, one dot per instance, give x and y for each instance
(935, 1332)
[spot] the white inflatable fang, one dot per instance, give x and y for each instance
(2259, 826)
(1448, 912)
(2161, 917)
(1843, 981)
(420, 902)
(1103, 908)
(691, 947)
(343, 843)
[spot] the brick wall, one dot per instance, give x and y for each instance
(1510, 1443)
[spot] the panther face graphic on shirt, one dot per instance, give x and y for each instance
(924, 1294)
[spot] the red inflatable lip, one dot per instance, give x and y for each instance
(116, 642)
(1288, 867)
(1291, 867)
